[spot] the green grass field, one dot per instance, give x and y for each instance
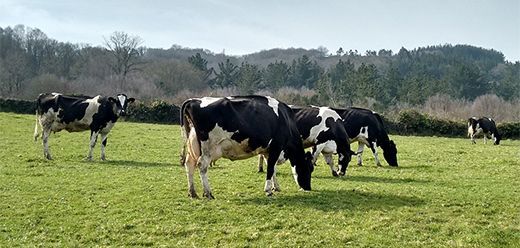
(446, 193)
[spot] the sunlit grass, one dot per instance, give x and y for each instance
(446, 192)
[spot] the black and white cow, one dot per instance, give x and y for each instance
(238, 128)
(367, 128)
(322, 129)
(483, 125)
(56, 112)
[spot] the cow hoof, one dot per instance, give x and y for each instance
(48, 157)
(379, 165)
(334, 173)
(209, 196)
(341, 173)
(269, 193)
(193, 195)
(260, 170)
(360, 164)
(276, 189)
(103, 158)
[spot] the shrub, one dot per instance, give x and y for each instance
(154, 112)
(17, 106)
(408, 122)
(416, 123)
(509, 130)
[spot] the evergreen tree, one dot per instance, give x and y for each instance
(227, 75)
(368, 83)
(201, 64)
(342, 79)
(198, 62)
(392, 83)
(466, 82)
(340, 51)
(507, 85)
(249, 78)
(304, 72)
(276, 75)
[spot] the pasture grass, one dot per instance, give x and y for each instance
(446, 193)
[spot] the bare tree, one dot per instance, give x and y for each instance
(126, 52)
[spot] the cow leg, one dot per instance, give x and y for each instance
(93, 140)
(361, 147)
(276, 185)
(45, 140)
(485, 138)
(191, 154)
(182, 156)
(203, 164)
(328, 157)
(261, 163)
(330, 162)
(373, 147)
(189, 164)
(103, 145)
(316, 150)
(473, 139)
(35, 135)
(271, 163)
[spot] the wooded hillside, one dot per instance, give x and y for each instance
(31, 62)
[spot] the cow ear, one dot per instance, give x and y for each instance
(111, 99)
(131, 99)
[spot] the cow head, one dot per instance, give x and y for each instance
(302, 173)
(498, 137)
(343, 162)
(120, 103)
(390, 153)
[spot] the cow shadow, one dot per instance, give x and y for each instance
(130, 163)
(373, 179)
(329, 201)
(414, 167)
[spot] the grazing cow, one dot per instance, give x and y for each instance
(238, 128)
(367, 128)
(483, 125)
(322, 129)
(55, 112)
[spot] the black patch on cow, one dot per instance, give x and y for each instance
(250, 117)
(104, 115)
(356, 118)
(70, 109)
(306, 118)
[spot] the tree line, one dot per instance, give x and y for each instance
(31, 62)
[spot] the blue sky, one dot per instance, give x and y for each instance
(242, 27)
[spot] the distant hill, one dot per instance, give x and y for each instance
(487, 58)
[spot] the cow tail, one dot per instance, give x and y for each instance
(185, 130)
(36, 134)
(36, 128)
